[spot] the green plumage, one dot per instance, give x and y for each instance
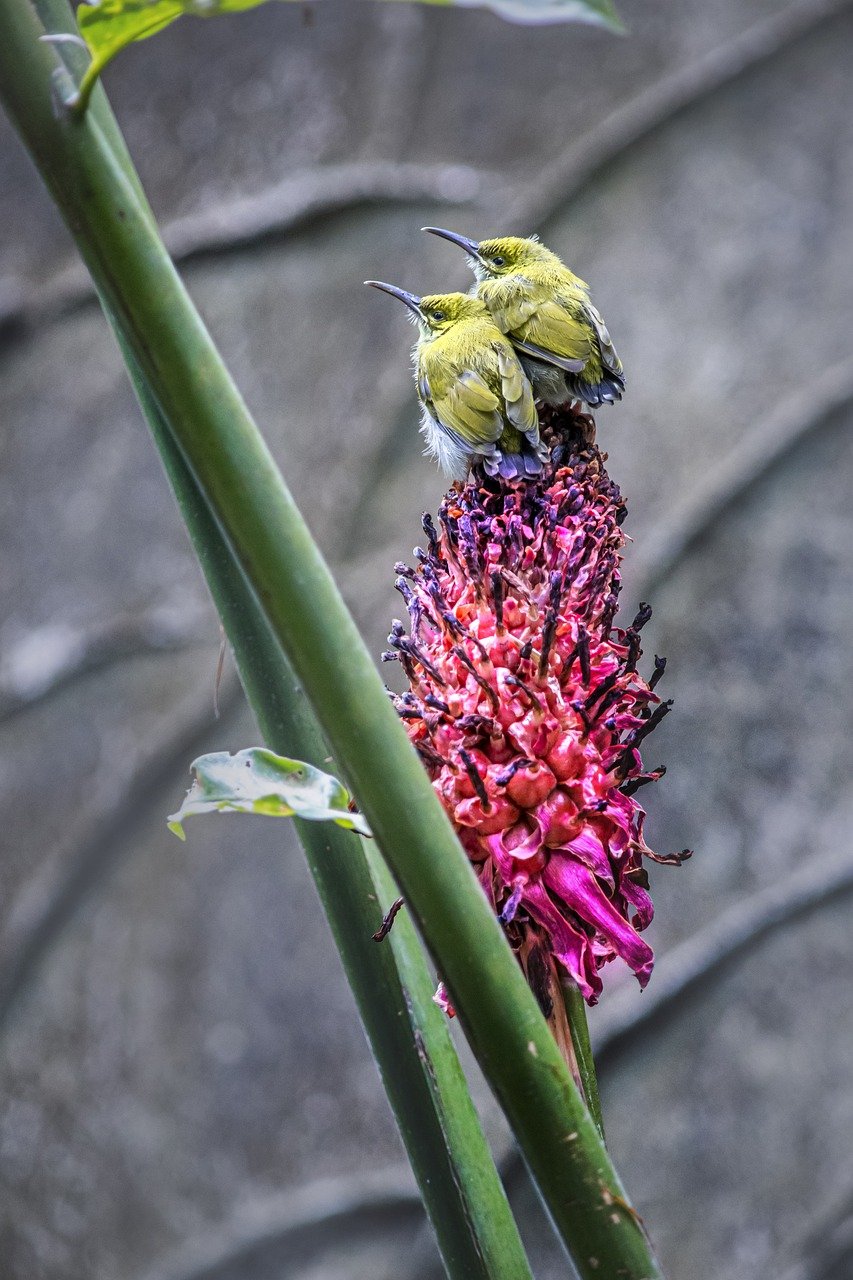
(477, 403)
(545, 310)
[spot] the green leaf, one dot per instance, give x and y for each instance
(258, 781)
(108, 26)
(111, 24)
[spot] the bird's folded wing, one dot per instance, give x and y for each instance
(552, 333)
(518, 396)
(510, 309)
(608, 352)
(465, 405)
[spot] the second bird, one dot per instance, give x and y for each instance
(477, 404)
(545, 310)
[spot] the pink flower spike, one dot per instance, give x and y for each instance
(528, 710)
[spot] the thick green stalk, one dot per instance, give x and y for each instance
(307, 616)
(391, 981)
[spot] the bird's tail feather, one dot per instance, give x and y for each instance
(515, 466)
(607, 391)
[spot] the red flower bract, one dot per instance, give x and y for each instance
(528, 711)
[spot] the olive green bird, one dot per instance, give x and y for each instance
(546, 311)
(477, 405)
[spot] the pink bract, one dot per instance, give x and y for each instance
(527, 708)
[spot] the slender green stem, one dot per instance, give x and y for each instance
(274, 550)
(392, 983)
(579, 1029)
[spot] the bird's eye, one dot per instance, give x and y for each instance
(498, 260)
(438, 315)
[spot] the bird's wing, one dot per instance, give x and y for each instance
(605, 343)
(517, 394)
(510, 308)
(554, 334)
(464, 405)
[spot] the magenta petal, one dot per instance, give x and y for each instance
(510, 862)
(580, 890)
(442, 999)
(589, 849)
(639, 900)
(570, 947)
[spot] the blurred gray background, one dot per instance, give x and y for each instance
(186, 1092)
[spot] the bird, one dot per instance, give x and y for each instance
(546, 311)
(477, 404)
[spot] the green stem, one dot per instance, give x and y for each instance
(579, 1029)
(391, 982)
(274, 550)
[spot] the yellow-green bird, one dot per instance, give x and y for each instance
(546, 311)
(477, 404)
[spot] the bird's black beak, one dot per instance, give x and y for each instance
(470, 246)
(413, 303)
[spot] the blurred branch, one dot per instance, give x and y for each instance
(229, 225)
(314, 193)
(628, 1016)
(302, 1219)
(51, 657)
(757, 452)
(659, 103)
(625, 1018)
(736, 931)
(826, 1252)
(40, 914)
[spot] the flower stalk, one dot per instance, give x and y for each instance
(456, 1174)
(575, 1008)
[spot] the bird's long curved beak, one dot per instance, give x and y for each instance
(470, 246)
(412, 302)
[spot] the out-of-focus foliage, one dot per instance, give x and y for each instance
(600, 13)
(258, 781)
(108, 26)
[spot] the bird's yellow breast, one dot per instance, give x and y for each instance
(470, 344)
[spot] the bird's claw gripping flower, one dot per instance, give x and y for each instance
(528, 710)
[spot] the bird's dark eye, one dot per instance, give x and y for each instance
(438, 315)
(498, 260)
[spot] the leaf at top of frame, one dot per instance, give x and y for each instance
(109, 25)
